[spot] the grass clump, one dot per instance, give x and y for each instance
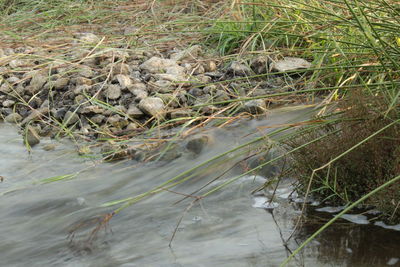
(373, 161)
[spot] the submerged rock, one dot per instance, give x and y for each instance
(31, 137)
(256, 106)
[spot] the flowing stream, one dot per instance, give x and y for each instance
(224, 229)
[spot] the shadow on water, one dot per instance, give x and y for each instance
(223, 229)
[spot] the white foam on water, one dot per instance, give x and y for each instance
(355, 218)
(393, 261)
(264, 203)
(330, 209)
(384, 225)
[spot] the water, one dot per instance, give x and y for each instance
(225, 229)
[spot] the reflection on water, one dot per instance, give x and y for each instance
(222, 230)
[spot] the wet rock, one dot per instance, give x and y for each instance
(35, 115)
(192, 52)
(197, 144)
(31, 137)
(13, 118)
(260, 64)
(113, 91)
(49, 147)
(70, 118)
(237, 68)
(169, 99)
(290, 63)
(256, 106)
(153, 106)
(134, 112)
(8, 103)
(123, 80)
(170, 152)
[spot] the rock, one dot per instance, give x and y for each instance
(205, 79)
(199, 70)
(123, 80)
(197, 144)
(238, 69)
(181, 113)
(136, 86)
(134, 112)
(139, 94)
(86, 72)
(120, 68)
(196, 92)
(83, 81)
(87, 37)
(256, 106)
(49, 147)
(60, 83)
(158, 65)
(131, 127)
(113, 91)
(170, 152)
(93, 109)
(81, 88)
(130, 30)
(161, 86)
(35, 114)
(192, 52)
(210, 89)
(5, 88)
(37, 82)
(210, 66)
(153, 106)
(290, 63)
(13, 118)
(220, 96)
(70, 118)
(98, 119)
(17, 63)
(260, 64)
(31, 137)
(8, 103)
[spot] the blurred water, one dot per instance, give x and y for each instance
(223, 229)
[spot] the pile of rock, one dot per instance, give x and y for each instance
(115, 90)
